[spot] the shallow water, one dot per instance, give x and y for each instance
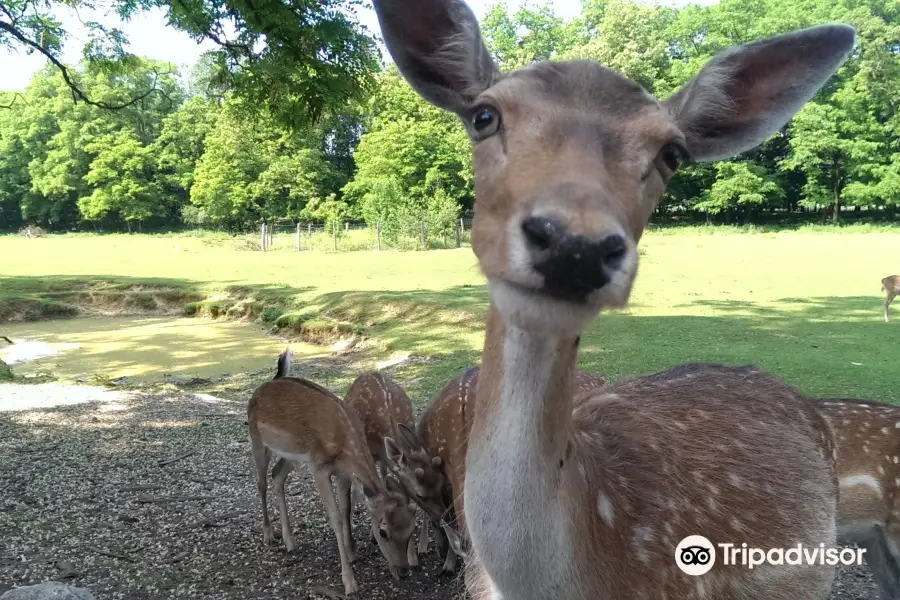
(142, 348)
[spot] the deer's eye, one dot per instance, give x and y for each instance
(384, 534)
(485, 121)
(672, 155)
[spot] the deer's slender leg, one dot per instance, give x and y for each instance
(261, 459)
(345, 507)
(423, 535)
(323, 483)
(279, 474)
(412, 557)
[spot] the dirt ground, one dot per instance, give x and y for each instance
(138, 496)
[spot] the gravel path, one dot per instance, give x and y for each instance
(88, 499)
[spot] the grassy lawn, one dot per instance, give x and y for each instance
(804, 305)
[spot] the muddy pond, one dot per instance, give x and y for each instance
(144, 349)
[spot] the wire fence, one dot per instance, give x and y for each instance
(351, 236)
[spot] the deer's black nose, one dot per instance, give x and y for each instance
(572, 265)
(403, 572)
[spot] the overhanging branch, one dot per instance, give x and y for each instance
(77, 93)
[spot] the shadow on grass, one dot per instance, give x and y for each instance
(836, 346)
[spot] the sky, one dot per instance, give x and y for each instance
(149, 36)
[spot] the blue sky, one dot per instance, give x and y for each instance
(149, 36)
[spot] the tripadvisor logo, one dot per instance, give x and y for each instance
(696, 555)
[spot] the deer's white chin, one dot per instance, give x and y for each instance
(534, 311)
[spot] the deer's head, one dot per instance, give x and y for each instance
(571, 158)
(393, 522)
(419, 473)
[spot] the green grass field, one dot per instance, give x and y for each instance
(805, 305)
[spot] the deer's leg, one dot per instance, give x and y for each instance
(449, 567)
(323, 483)
(887, 301)
(261, 460)
(279, 474)
(345, 507)
(412, 557)
(423, 535)
(882, 546)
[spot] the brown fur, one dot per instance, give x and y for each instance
(868, 441)
(442, 434)
(295, 419)
(587, 501)
(891, 288)
(382, 405)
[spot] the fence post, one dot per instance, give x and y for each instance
(422, 233)
(456, 232)
(378, 235)
(346, 226)
(299, 234)
(271, 239)
(462, 225)
(309, 230)
(334, 234)
(262, 238)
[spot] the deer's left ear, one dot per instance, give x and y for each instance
(745, 94)
(437, 46)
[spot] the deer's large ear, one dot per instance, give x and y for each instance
(744, 94)
(408, 437)
(437, 46)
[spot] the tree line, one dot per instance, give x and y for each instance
(210, 148)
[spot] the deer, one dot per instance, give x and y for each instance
(299, 421)
(570, 159)
(867, 434)
(430, 462)
(382, 406)
(891, 287)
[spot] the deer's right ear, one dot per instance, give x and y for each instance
(438, 48)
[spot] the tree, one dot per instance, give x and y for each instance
(122, 175)
(298, 59)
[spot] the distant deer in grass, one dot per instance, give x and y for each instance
(382, 405)
(891, 288)
(867, 435)
(301, 422)
(586, 501)
(430, 462)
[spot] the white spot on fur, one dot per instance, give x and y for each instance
(605, 508)
(861, 480)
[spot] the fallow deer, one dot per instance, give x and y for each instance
(867, 435)
(570, 160)
(382, 405)
(891, 287)
(301, 422)
(430, 462)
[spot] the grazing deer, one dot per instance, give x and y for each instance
(430, 463)
(570, 160)
(867, 435)
(382, 405)
(301, 422)
(891, 288)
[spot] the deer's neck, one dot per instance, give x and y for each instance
(513, 496)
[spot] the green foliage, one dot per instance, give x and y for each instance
(293, 59)
(285, 120)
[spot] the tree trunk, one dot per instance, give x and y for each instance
(836, 189)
